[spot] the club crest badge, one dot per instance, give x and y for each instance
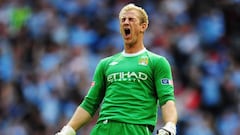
(143, 61)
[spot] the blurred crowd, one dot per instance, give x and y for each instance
(49, 50)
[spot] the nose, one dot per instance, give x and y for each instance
(126, 21)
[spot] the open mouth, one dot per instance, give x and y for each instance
(127, 32)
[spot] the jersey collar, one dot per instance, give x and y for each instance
(133, 54)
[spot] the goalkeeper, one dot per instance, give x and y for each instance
(129, 86)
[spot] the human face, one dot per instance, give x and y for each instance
(130, 27)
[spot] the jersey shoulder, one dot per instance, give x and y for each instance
(155, 57)
(157, 61)
(109, 59)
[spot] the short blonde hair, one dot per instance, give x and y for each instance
(143, 15)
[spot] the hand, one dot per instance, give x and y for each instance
(163, 132)
(168, 129)
(66, 130)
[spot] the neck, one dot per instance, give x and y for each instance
(134, 48)
(133, 54)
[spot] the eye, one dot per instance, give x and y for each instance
(131, 19)
(123, 19)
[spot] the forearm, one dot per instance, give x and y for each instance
(169, 112)
(170, 117)
(79, 118)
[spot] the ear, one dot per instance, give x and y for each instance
(143, 27)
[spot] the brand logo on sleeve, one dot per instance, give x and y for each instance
(166, 81)
(92, 83)
(113, 63)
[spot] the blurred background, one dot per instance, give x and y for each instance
(49, 50)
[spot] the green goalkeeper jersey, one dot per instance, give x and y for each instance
(129, 87)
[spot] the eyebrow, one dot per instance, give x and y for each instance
(135, 18)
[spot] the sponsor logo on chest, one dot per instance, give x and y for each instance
(127, 76)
